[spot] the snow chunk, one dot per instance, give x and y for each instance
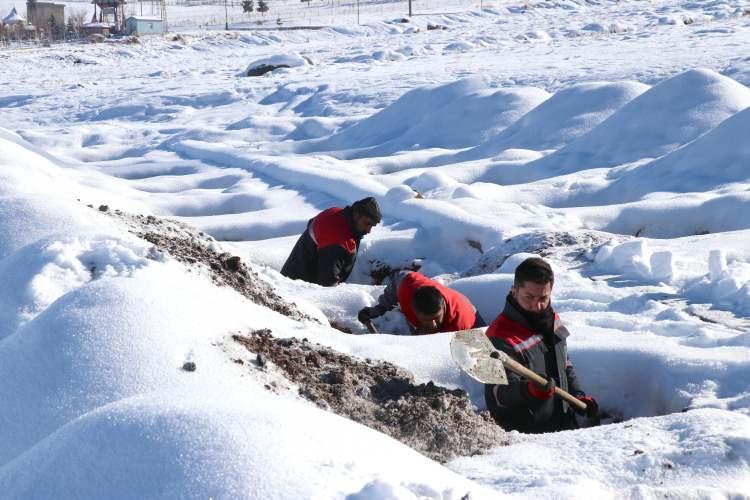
(630, 259)
(717, 265)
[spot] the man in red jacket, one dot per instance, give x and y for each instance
(325, 253)
(530, 332)
(428, 306)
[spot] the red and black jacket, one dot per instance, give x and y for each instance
(544, 352)
(460, 314)
(326, 251)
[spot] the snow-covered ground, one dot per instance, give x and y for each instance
(609, 137)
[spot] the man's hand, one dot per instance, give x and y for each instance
(541, 392)
(592, 407)
(368, 314)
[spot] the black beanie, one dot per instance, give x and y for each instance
(368, 207)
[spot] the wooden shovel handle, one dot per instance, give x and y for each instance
(519, 369)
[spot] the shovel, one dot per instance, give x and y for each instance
(476, 355)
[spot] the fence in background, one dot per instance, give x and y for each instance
(185, 15)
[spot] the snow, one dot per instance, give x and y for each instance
(608, 137)
(13, 17)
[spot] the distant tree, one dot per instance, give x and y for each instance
(263, 6)
(248, 6)
(70, 27)
(79, 19)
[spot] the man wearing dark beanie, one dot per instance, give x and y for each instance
(325, 253)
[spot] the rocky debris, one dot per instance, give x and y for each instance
(439, 423)
(573, 246)
(196, 249)
(189, 366)
(431, 27)
(265, 68)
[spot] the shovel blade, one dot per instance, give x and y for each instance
(473, 352)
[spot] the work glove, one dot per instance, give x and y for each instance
(368, 314)
(592, 407)
(541, 392)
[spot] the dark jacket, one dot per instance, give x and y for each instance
(543, 349)
(460, 314)
(325, 253)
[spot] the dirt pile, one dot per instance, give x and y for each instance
(197, 249)
(437, 422)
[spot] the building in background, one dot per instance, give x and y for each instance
(140, 25)
(16, 27)
(47, 17)
(89, 29)
(112, 13)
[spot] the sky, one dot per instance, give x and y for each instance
(607, 137)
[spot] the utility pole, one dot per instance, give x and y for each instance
(226, 16)
(409, 8)
(357, 12)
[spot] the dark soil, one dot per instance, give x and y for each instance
(196, 249)
(437, 422)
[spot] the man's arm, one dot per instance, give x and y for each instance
(333, 260)
(387, 300)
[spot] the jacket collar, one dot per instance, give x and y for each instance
(513, 312)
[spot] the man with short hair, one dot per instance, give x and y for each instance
(530, 332)
(325, 253)
(428, 306)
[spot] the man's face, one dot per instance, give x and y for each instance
(430, 323)
(362, 223)
(532, 297)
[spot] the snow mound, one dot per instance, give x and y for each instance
(719, 157)
(267, 64)
(565, 116)
(38, 198)
(456, 115)
(660, 120)
(71, 358)
(198, 446)
(40, 273)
